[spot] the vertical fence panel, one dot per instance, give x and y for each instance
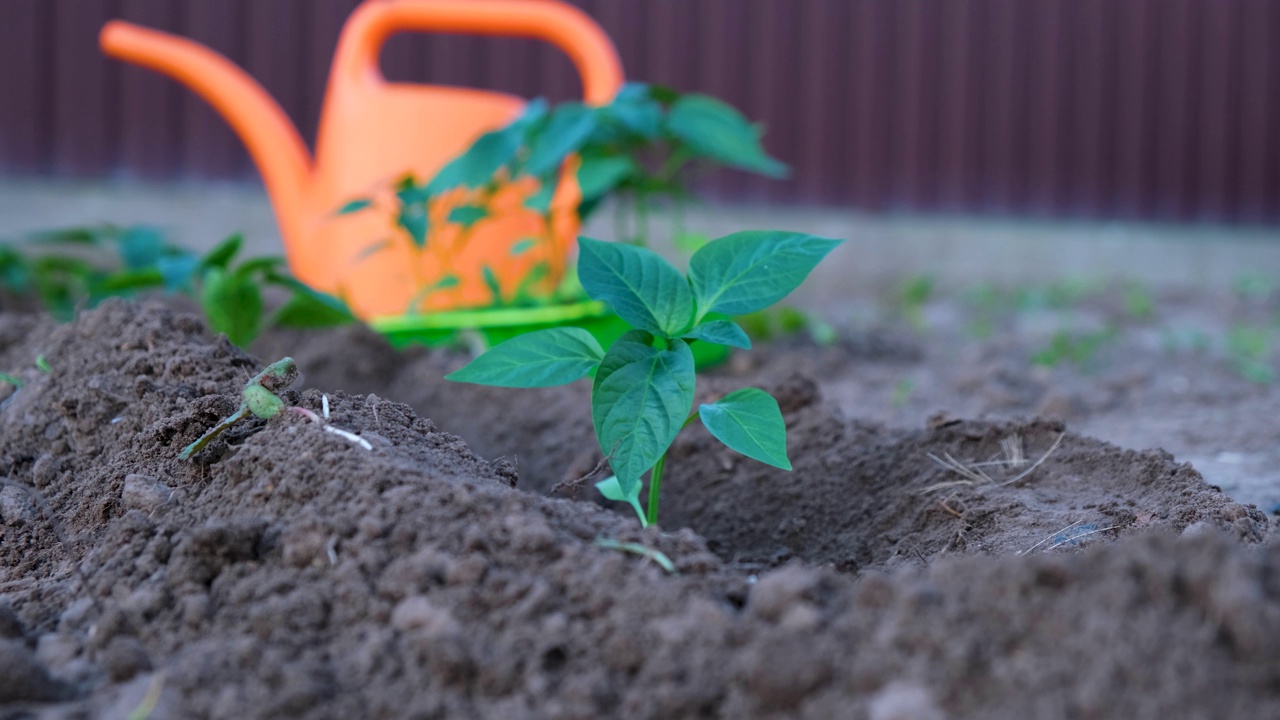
(1176, 91)
(25, 114)
(210, 148)
(84, 91)
(1256, 142)
(1220, 75)
(149, 108)
(1048, 109)
(869, 86)
(1135, 108)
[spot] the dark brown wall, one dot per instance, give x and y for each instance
(1164, 109)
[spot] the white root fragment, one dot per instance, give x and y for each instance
(349, 436)
(344, 434)
(324, 406)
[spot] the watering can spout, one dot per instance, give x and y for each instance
(272, 140)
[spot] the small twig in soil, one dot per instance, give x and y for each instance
(577, 482)
(1012, 447)
(1077, 536)
(1037, 463)
(973, 473)
(950, 509)
(657, 556)
(1049, 537)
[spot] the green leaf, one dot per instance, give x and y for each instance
(446, 282)
(409, 192)
(611, 489)
(750, 422)
(636, 110)
(468, 215)
(491, 282)
(413, 219)
(532, 116)
(540, 202)
(749, 271)
(642, 288)
(177, 271)
(265, 266)
(126, 280)
(476, 166)
(221, 255)
(716, 131)
(90, 235)
(542, 358)
(311, 309)
(640, 400)
(720, 332)
(598, 175)
(232, 305)
(567, 128)
(140, 247)
(354, 206)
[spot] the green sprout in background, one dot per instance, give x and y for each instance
(643, 390)
(65, 271)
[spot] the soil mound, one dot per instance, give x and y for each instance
(290, 572)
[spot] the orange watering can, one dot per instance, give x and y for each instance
(372, 132)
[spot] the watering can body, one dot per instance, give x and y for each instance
(373, 132)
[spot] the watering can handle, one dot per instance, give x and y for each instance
(558, 23)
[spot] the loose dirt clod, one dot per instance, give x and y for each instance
(299, 575)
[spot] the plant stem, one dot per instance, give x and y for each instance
(214, 432)
(655, 483)
(655, 478)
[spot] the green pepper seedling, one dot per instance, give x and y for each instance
(642, 394)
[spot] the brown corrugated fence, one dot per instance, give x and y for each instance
(1164, 109)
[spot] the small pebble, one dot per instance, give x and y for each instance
(16, 506)
(145, 493)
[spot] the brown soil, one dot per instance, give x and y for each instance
(289, 572)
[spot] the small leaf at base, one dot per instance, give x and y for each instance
(612, 490)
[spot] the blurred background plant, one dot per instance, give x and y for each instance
(67, 270)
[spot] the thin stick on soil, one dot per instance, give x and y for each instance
(1037, 463)
(1076, 537)
(577, 482)
(974, 475)
(1049, 537)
